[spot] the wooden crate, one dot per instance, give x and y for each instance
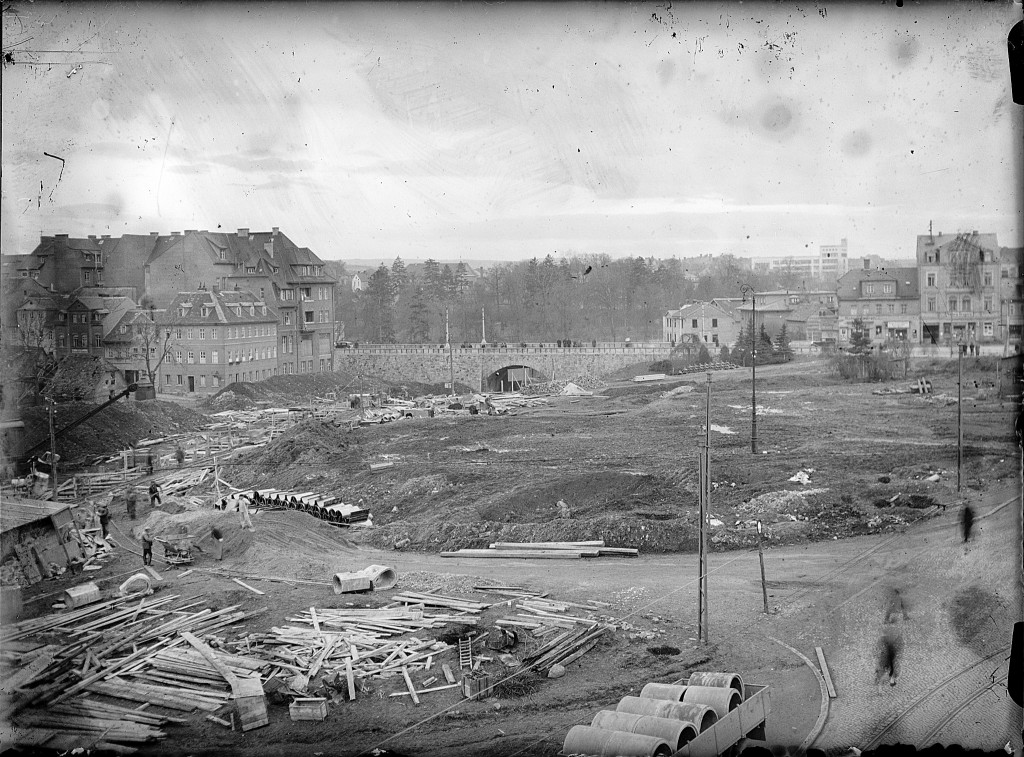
(308, 708)
(477, 686)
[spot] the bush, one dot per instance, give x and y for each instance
(662, 366)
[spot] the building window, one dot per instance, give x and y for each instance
(191, 356)
(177, 334)
(965, 305)
(903, 308)
(931, 279)
(307, 292)
(892, 308)
(853, 310)
(215, 357)
(250, 269)
(123, 329)
(952, 304)
(62, 317)
(202, 380)
(869, 288)
(887, 288)
(167, 379)
(205, 312)
(213, 333)
(191, 334)
(1004, 273)
(309, 316)
(693, 323)
(987, 329)
(878, 330)
(181, 379)
(988, 278)
(988, 304)
(878, 308)
(287, 319)
(714, 322)
(202, 333)
(202, 356)
(88, 277)
(931, 304)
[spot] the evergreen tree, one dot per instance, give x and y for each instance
(461, 278)
(378, 308)
(765, 348)
(782, 347)
(860, 337)
(448, 281)
(433, 279)
(703, 357)
(725, 352)
(419, 318)
(399, 275)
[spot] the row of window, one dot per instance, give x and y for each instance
(230, 332)
(888, 287)
(966, 305)
(986, 278)
(307, 366)
(866, 310)
(232, 356)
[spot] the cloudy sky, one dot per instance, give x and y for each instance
(504, 130)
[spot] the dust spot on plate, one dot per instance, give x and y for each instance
(857, 143)
(777, 118)
(666, 70)
(905, 50)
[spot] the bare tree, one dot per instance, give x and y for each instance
(154, 338)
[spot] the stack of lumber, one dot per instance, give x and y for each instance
(439, 600)
(567, 647)
(180, 481)
(544, 616)
(546, 550)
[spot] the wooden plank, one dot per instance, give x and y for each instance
(825, 674)
(408, 684)
(157, 576)
(182, 575)
(449, 676)
(210, 657)
(424, 691)
(244, 585)
(351, 680)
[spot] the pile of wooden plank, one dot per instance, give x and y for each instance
(546, 550)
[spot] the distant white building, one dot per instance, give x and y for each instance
(831, 262)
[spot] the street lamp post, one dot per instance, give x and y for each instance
(746, 288)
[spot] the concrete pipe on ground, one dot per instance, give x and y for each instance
(725, 680)
(381, 577)
(673, 692)
(678, 733)
(700, 715)
(585, 739)
(721, 700)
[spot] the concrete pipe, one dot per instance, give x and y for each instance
(725, 680)
(700, 715)
(381, 576)
(585, 739)
(671, 691)
(721, 700)
(678, 733)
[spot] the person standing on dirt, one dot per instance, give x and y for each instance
(104, 515)
(149, 462)
(243, 513)
(179, 455)
(888, 651)
(131, 501)
(154, 494)
(218, 539)
(967, 521)
(147, 547)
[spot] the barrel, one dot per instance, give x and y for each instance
(84, 594)
(726, 680)
(673, 692)
(585, 739)
(719, 699)
(678, 733)
(700, 715)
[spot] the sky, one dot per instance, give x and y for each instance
(504, 131)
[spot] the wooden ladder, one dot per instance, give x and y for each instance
(465, 653)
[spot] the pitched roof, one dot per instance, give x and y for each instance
(18, 511)
(906, 280)
(927, 242)
(702, 310)
(221, 308)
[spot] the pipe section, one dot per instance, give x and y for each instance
(700, 715)
(721, 700)
(726, 680)
(673, 692)
(678, 733)
(585, 739)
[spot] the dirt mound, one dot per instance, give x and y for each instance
(307, 442)
(198, 524)
(118, 426)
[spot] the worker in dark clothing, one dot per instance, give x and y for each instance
(179, 455)
(149, 462)
(104, 515)
(967, 521)
(895, 607)
(888, 649)
(218, 538)
(131, 500)
(154, 494)
(147, 547)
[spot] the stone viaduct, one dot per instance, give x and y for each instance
(494, 367)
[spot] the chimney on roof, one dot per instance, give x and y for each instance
(60, 236)
(974, 232)
(105, 236)
(243, 233)
(154, 233)
(191, 231)
(175, 233)
(93, 236)
(275, 230)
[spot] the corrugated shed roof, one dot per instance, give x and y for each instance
(16, 511)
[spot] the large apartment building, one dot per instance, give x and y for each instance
(886, 301)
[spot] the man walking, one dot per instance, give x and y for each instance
(104, 515)
(154, 494)
(889, 648)
(149, 462)
(147, 547)
(218, 538)
(967, 521)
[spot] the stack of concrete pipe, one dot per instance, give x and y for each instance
(662, 720)
(326, 508)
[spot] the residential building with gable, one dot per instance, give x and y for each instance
(218, 337)
(708, 322)
(887, 301)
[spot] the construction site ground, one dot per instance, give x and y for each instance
(626, 467)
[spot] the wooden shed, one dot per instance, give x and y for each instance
(33, 535)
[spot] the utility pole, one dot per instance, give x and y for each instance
(760, 555)
(703, 501)
(753, 365)
(451, 354)
(483, 326)
(959, 418)
(53, 448)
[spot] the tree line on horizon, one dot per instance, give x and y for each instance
(579, 298)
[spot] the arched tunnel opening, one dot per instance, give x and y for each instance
(512, 378)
